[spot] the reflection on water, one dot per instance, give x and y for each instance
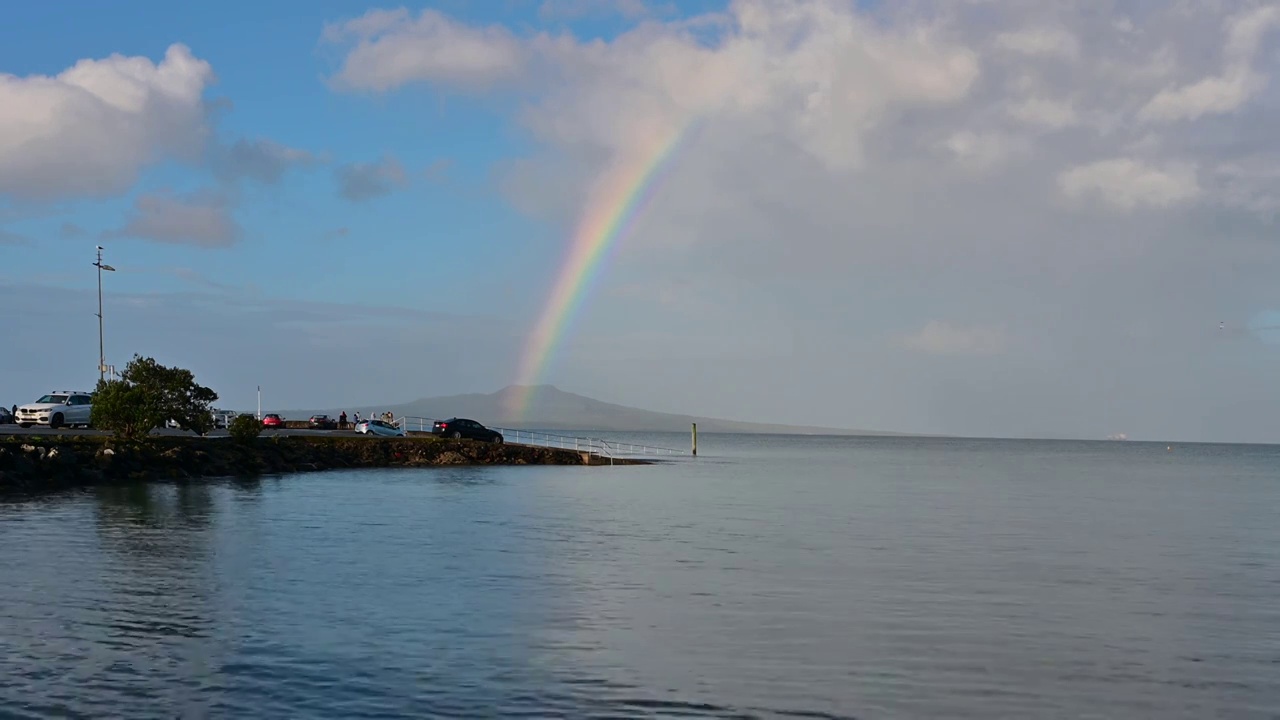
(800, 577)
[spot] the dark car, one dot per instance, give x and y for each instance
(463, 428)
(6, 417)
(322, 422)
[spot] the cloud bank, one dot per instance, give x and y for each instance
(200, 220)
(1078, 176)
(91, 129)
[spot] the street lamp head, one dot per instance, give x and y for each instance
(108, 268)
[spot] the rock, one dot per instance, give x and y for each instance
(78, 461)
(450, 458)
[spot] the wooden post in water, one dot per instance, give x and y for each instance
(695, 438)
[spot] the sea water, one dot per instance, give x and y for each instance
(768, 577)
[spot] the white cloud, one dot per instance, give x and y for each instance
(1128, 183)
(941, 338)
(1246, 31)
(92, 128)
(852, 163)
(1229, 90)
(1044, 112)
(821, 74)
(202, 220)
(392, 48)
(981, 151)
(1211, 96)
(1045, 42)
(830, 96)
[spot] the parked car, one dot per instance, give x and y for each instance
(463, 428)
(322, 422)
(6, 417)
(272, 420)
(221, 420)
(57, 409)
(380, 428)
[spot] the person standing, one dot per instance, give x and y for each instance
(342, 420)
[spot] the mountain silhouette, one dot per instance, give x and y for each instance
(554, 409)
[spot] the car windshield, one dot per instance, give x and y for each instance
(53, 399)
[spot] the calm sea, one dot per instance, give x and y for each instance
(771, 577)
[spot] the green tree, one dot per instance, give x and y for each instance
(147, 395)
(245, 428)
(123, 409)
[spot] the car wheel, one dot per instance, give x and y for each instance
(497, 439)
(456, 435)
(55, 422)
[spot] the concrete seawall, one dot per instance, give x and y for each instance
(37, 464)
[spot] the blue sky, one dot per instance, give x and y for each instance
(924, 216)
(270, 72)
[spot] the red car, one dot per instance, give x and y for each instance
(272, 420)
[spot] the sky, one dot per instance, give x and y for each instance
(972, 217)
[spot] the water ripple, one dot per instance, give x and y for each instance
(829, 579)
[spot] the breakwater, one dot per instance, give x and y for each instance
(34, 464)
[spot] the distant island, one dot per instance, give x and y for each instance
(556, 409)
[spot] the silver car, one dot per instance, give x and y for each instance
(379, 428)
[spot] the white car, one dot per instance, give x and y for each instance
(378, 427)
(60, 408)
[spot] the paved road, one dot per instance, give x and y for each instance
(64, 432)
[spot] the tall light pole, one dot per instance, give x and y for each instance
(102, 356)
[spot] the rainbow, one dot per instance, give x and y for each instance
(613, 208)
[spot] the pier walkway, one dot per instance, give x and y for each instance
(604, 449)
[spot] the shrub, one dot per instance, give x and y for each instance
(245, 428)
(123, 409)
(146, 395)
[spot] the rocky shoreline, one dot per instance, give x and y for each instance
(41, 464)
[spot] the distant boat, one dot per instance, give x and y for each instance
(1118, 436)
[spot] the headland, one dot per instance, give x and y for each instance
(49, 463)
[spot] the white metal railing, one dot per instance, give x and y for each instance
(596, 446)
(564, 442)
(415, 424)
